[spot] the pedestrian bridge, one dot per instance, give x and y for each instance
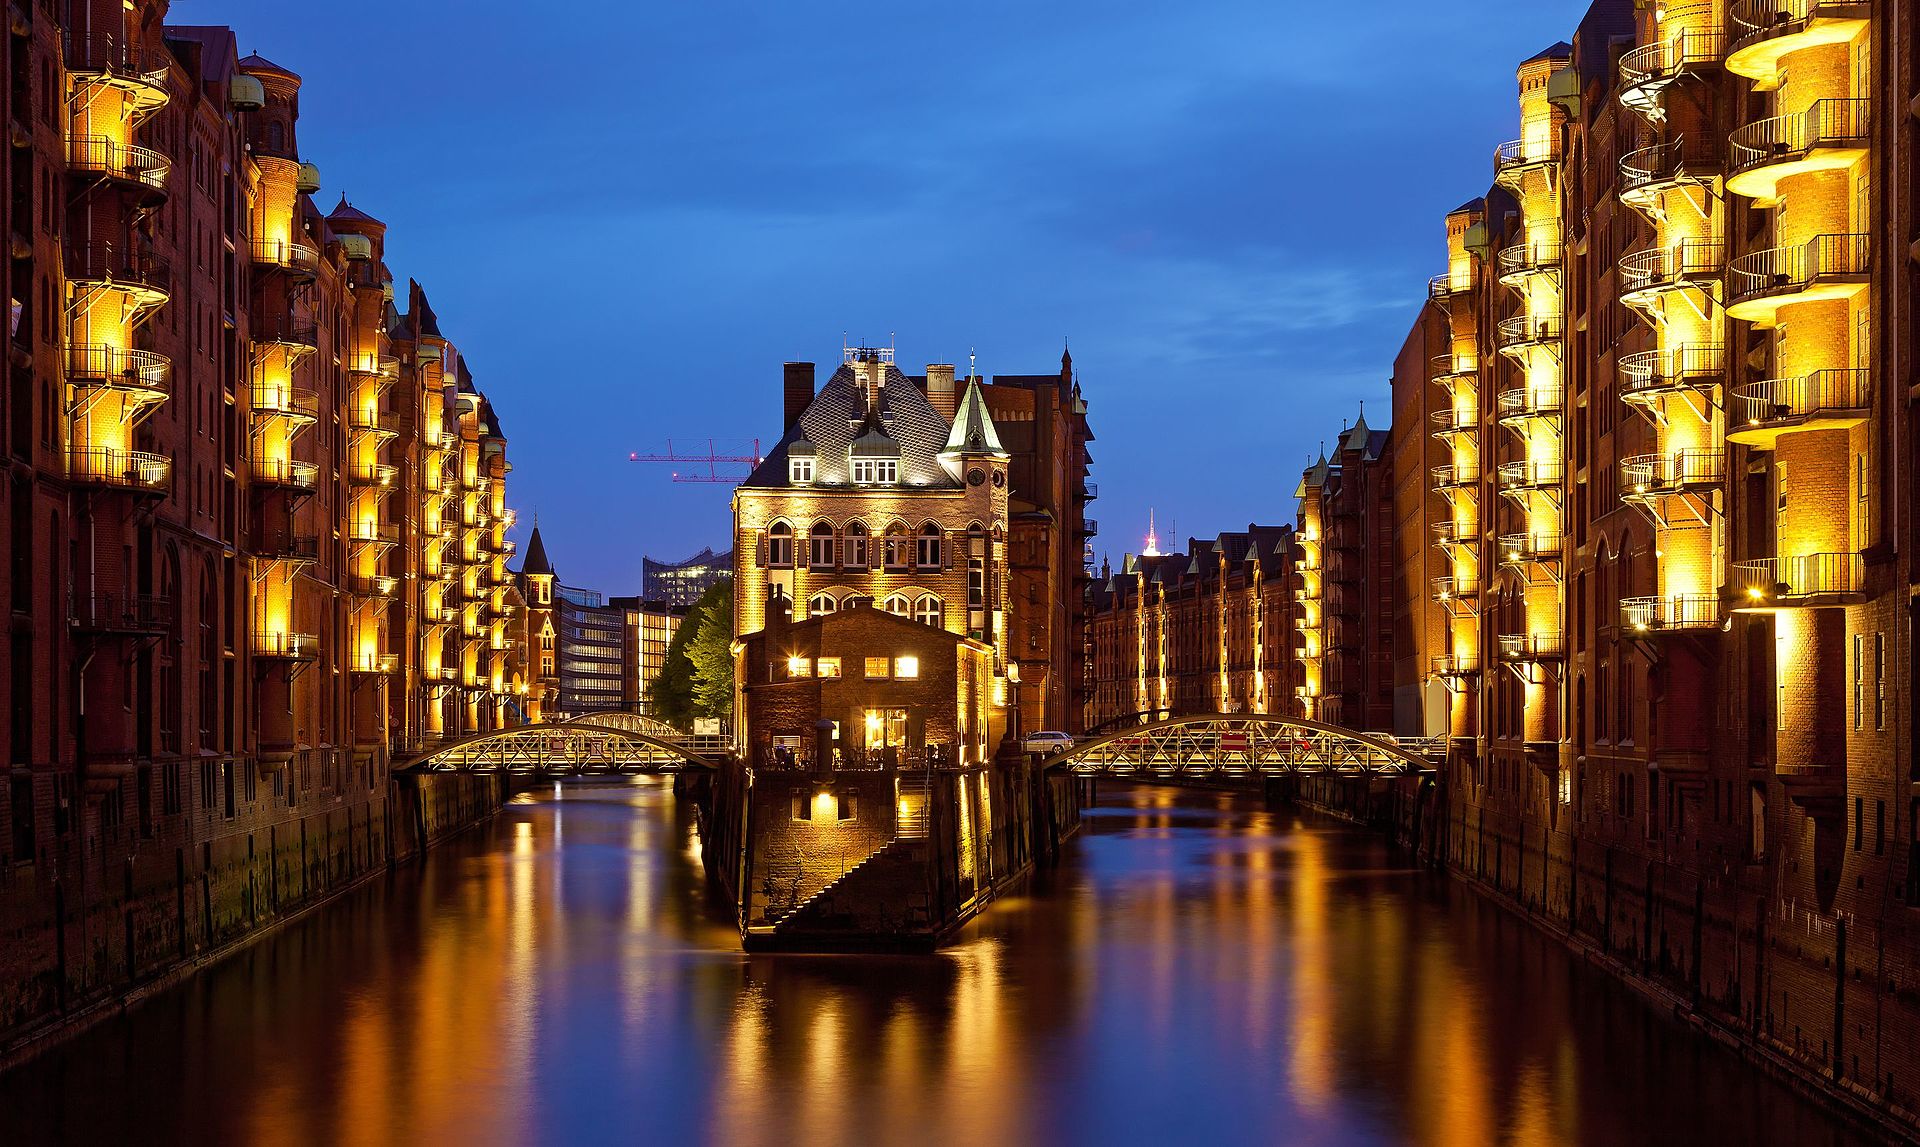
(1213, 746)
(596, 744)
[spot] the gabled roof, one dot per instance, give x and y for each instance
(348, 213)
(973, 430)
(838, 413)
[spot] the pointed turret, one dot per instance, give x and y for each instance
(973, 431)
(536, 560)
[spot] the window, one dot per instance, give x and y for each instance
(170, 789)
(799, 667)
(20, 800)
(1862, 511)
(898, 605)
(879, 667)
(927, 555)
(976, 583)
(226, 781)
(827, 667)
(855, 557)
(800, 471)
(780, 546)
(1859, 685)
(1879, 681)
(820, 546)
(847, 807)
(927, 611)
(906, 668)
(876, 471)
(820, 604)
(897, 549)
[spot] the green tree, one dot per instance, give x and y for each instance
(711, 652)
(672, 692)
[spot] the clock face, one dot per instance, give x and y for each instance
(999, 479)
(976, 476)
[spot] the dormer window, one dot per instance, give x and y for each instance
(800, 471)
(876, 471)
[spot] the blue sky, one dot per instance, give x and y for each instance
(629, 217)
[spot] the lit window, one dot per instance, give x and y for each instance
(780, 546)
(799, 667)
(876, 471)
(906, 667)
(888, 471)
(827, 667)
(879, 667)
(898, 605)
(855, 557)
(800, 470)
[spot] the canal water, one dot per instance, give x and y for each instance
(1199, 970)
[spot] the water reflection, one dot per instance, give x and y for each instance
(1199, 970)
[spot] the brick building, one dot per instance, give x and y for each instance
(254, 521)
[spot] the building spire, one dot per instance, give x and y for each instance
(1152, 548)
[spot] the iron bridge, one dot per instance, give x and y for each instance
(595, 744)
(1217, 745)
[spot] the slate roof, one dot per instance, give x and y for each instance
(536, 560)
(838, 414)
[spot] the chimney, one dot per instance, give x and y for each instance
(798, 390)
(940, 390)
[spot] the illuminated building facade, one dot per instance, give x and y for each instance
(227, 503)
(649, 627)
(680, 584)
(1343, 597)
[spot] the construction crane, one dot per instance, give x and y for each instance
(713, 464)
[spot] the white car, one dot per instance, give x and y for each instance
(1047, 743)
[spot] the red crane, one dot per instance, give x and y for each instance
(708, 464)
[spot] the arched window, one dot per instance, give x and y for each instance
(276, 137)
(928, 611)
(856, 555)
(780, 546)
(898, 605)
(853, 600)
(898, 548)
(209, 656)
(820, 546)
(821, 604)
(927, 554)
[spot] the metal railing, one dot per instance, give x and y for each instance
(286, 402)
(1532, 646)
(380, 663)
(1529, 258)
(1523, 331)
(1677, 160)
(1676, 611)
(373, 421)
(100, 54)
(1756, 20)
(1452, 588)
(379, 474)
(286, 646)
(122, 613)
(1453, 420)
(126, 469)
(1666, 473)
(284, 330)
(1801, 575)
(1654, 63)
(1453, 665)
(1527, 474)
(119, 366)
(1452, 532)
(109, 264)
(1530, 547)
(375, 585)
(1783, 139)
(364, 531)
(1452, 477)
(128, 162)
(289, 547)
(1517, 154)
(285, 472)
(1531, 402)
(1686, 261)
(285, 254)
(1784, 270)
(1652, 372)
(1791, 399)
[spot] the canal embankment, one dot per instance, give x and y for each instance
(1710, 954)
(73, 955)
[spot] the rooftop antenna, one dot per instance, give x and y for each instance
(972, 359)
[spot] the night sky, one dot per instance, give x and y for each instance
(630, 214)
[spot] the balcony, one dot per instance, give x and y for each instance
(1532, 647)
(141, 169)
(1451, 591)
(296, 259)
(1800, 580)
(1455, 420)
(1444, 289)
(1454, 666)
(146, 374)
(1646, 73)
(379, 423)
(1515, 160)
(126, 615)
(1824, 400)
(1089, 528)
(1824, 267)
(1647, 476)
(1651, 171)
(1829, 135)
(286, 646)
(1765, 32)
(284, 402)
(1523, 260)
(1666, 614)
(375, 585)
(375, 663)
(1522, 404)
(136, 470)
(1455, 533)
(145, 278)
(1691, 264)
(1650, 376)
(283, 333)
(103, 60)
(301, 549)
(1527, 548)
(382, 534)
(284, 473)
(1528, 477)
(380, 475)
(1089, 491)
(1452, 478)
(1451, 370)
(1520, 336)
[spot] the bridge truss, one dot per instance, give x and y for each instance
(1212, 746)
(596, 744)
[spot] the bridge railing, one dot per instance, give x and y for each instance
(1239, 745)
